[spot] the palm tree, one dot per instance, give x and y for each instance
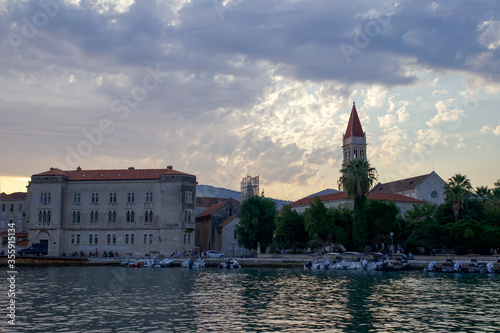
(483, 192)
(357, 179)
(457, 190)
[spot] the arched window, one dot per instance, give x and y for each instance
(110, 216)
(74, 217)
(114, 216)
(91, 217)
(48, 217)
(96, 217)
(78, 217)
(150, 216)
(40, 217)
(132, 217)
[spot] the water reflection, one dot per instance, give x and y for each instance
(115, 299)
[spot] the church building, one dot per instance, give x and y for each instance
(354, 141)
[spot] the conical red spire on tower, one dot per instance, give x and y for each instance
(354, 126)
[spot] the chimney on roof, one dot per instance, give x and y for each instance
(169, 167)
(131, 168)
(51, 168)
(78, 169)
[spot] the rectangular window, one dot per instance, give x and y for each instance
(131, 238)
(189, 238)
(20, 223)
(150, 238)
(185, 238)
(112, 197)
(77, 238)
(20, 207)
(126, 238)
(3, 224)
(11, 207)
(76, 198)
(114, 238)
(109, 238)
(72, 238)
(145, 238)
(3, 207)
(91, 238)
(188, 197)
(95, 198)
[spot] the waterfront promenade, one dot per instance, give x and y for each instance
(265, 260)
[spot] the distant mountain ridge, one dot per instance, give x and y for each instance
(208, 191)
(324, 192)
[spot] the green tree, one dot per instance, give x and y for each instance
(381, 217)
(257, 223)
(483, 192)
(471, 235)
(290, 229)
(357, 178)
(422, 230)
(318, 222)
(457, 190)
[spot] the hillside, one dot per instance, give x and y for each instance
(209, 191)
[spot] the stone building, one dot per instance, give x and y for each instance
(429, 187)
(208, 220)
(404, 203)
(125, 211)
(225, 237)
(13, 213)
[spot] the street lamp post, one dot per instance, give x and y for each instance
(274, 237)
(232, 243)
(392, 245)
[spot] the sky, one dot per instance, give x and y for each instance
(224, 89)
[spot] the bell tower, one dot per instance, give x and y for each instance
(354, 141)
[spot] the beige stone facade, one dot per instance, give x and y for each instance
(13, 213)
(334, 200)
(125, 211)
(429, 188)
(226, 239)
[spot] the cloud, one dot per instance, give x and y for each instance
(374, 97)
(428, 138)
(496, 131)
(443, 115)
(238, 84)
(388, 120)
(485, 129)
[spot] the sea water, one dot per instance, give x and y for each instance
(116, 299)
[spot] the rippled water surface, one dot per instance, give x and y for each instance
(115, 299)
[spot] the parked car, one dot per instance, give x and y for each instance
(35, 249)
(215, 254)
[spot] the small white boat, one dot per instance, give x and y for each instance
(199, 263)
(230, 264)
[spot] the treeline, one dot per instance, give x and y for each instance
(468, 221)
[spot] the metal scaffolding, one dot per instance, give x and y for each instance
(249, 187)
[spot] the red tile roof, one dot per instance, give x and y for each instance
(14, 196)
(354, 126)
(212, 209)
(343, 196)
(226, 221)
(118, 174)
